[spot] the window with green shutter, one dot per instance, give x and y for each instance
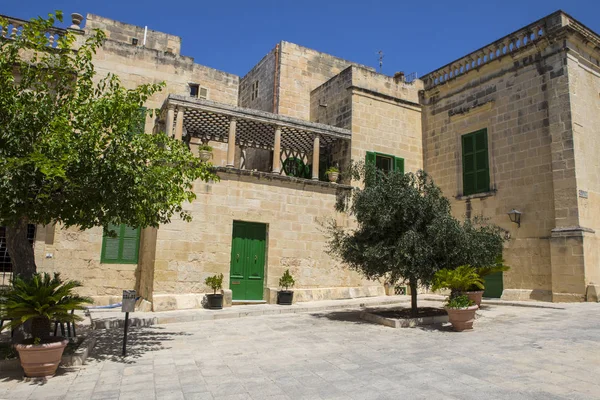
(476, 171)
(385, 162)
(122, 249)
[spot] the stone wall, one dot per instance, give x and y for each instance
(515, 99)
(384, 115)
(136, 65)
(302, 70)
(75, 254)
(186, 253)
(584, 85)
(124, 33)
(264, 74)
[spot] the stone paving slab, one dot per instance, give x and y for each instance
(513, 353)
(111, 318)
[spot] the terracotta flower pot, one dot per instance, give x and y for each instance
(204, 155)
(475, 296)
(333, 176)
(40, 360)
(461, 318)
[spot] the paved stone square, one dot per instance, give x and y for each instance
(514, 353)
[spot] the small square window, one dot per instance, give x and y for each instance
(194, 89)
(254, 94)
(384, 163)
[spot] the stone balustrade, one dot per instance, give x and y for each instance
(13, 28)
(507, 45)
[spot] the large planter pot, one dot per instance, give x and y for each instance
(285, 297)
(461, 318)
(333, 176)
(41, 360)
(215, 301)
(475, 296)
(204, 155)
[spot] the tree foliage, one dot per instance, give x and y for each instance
(69, 151)
(405, 230)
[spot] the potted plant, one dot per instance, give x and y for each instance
(286, 296)
(41, 300)
(461, 312)
(333, 174)
(215, 300)
(205, 152)
(498, 266)
(462, 280)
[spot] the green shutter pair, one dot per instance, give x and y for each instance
(476, 172)
(398, 162)
(122, 249)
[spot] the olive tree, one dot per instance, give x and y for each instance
(71, 150)
(405, 230)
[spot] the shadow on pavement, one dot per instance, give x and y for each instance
(352, 316)
(140, 340)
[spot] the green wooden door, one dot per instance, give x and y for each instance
(247, 260)
(493, 285)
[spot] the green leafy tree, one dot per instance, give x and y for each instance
(405, 230)
(71, 150)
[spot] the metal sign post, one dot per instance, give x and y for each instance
(127, 306)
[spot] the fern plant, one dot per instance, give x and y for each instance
(461, 279)
(41, 299)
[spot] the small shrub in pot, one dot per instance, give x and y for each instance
(215, 300)
(286, 296)
(41, 300)
(461, 312)
(333, 174)
(205, 152)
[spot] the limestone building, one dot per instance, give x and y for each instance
(513, 125)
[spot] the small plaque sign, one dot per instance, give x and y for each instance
(583, 194)
(235, 282)
(128, 302)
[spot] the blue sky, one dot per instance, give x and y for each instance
(234, 35)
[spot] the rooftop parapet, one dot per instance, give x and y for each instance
(14, 27)
(508, 45)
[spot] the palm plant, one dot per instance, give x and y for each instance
(498, 266)
(41, 299)
(461, 279)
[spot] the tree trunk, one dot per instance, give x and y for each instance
(20, 250)
(413, 298)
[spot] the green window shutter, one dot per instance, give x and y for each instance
(370, 157)
(130, 241)
(122, 249)
(476, 173)
(110, 246)
(481, 162)
(399, 164)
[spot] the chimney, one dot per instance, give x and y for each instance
(399, 77)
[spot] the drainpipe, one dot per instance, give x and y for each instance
(275, 80)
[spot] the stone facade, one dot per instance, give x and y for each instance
(535, 91)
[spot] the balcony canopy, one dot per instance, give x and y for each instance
(209, 120)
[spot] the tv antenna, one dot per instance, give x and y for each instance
(380, 52)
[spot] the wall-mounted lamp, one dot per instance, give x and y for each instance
(515, 216)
